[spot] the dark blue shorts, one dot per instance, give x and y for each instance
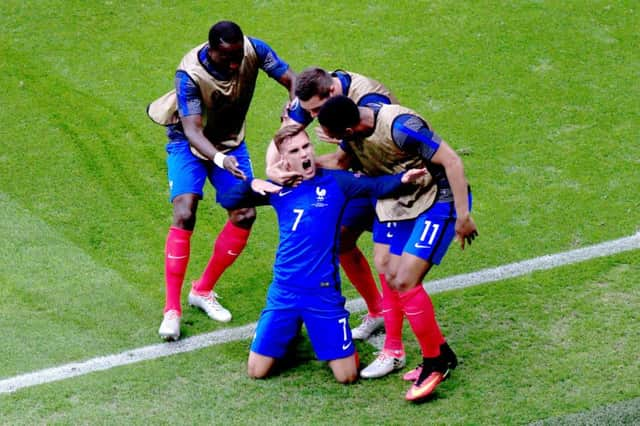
(383, 232)
(323, 314)
(359, 213)
(188, 173)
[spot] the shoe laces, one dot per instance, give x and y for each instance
(212, 300)
(383, 356)
(367, 320)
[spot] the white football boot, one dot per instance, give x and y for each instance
(383, 365)
(210, 305)
(170, 327)
(368, 326)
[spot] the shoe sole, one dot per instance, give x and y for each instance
(422, 397)
(169, 337)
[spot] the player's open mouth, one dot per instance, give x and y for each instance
(306, 164)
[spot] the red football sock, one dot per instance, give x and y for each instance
(176, 258)
(393, 317)
(228, 246)
(358, 271)
(418, 308)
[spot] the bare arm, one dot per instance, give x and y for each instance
(336, 160)
(465, 226)
(287, 80)
(193, 129)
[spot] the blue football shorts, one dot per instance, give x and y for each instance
(428, 236)
(187, 173)
(359, 213)
(383, 232)
(323, 314)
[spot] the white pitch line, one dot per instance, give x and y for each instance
(145, 353)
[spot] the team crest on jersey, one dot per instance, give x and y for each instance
(320, 197)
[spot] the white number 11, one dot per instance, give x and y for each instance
(427, 226)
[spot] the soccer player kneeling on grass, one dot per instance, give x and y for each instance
(313, 87)
(306, 279)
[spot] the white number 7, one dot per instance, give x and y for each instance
(343, 321)
(297, 221)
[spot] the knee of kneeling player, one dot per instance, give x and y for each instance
(346, 373)
(346, 377)
(256, 373)
(258, 368)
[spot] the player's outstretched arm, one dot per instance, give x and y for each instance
(264, 187)
(413, 175)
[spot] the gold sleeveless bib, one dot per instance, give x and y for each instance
(225, 102)
(362, 86)
(379, 155)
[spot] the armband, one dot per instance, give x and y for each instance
(218, 159)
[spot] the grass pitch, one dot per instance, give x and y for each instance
(540, 97)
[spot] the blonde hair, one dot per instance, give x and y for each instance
(286, 132)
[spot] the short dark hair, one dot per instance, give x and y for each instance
(338, 114)
(224, 32)
(285, 133)
(312, 82)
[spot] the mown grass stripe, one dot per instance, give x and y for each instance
(620, 413)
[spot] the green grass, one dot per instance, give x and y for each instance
(526, 349)
(542, 97)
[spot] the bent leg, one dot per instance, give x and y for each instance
(345, 370)
(259, 366)
(230, 243)
(358, 271)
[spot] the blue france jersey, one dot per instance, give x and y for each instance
(309, 221)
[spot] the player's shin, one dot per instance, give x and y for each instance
(230, 243)
(418, 308)
(393, 318)
(177, 251)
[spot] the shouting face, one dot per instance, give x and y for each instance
(298, 155)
